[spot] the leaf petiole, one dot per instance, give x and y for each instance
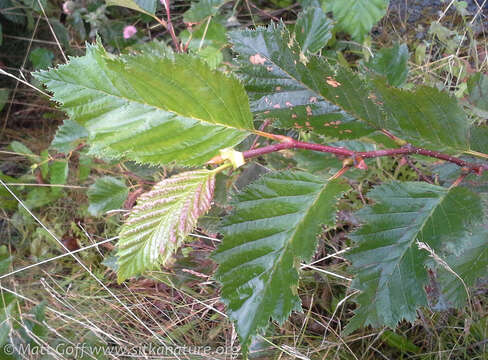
(222, 167)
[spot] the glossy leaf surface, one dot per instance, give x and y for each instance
(273, 226)
(425, 117)
(390, 267)
(337, 102)
(282, 87)
(150, 109)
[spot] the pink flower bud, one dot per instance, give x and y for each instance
(68, 7)
(129, 31)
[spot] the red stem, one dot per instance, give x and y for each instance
(170, 25)
(261, 128)
(458, 180)
(405, 150)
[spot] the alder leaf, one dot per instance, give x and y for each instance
(330, 100)
(283, 88)
(155, 47)
(272, 228)
(357, 17)
(161, 220)
(388, 263)
(312, 30)
(67, 135)
(150, 109)
(426, 117)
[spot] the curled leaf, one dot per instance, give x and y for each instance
(162, 219)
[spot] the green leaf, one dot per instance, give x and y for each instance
(5, 260)
(425, 117)
(84, 167)
(212, 56)
(35, 5)
(312, 30)
(328, 100)
(7, 312)
(110, 261)
(67, 135)
(478, 138)
(58, 174)
(41, 58)
(448, 37)
(12, 12)
(392, 63)
(38, 327)
(281, 87)
(400, 342)
(478, 90)
(144, 6)
(470, 265)
(154, 47)
(161, 220)
(34, 326)
(107, 193)
(388, 263)
(309, 3)
(202, 9)
(150, 109)
(39, 197)
(272, 228)
(62, 33)
(44, 165)
(21, 149)
(357, 17)
(205, 34)
(7, 201)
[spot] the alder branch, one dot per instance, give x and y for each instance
(356, 157)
